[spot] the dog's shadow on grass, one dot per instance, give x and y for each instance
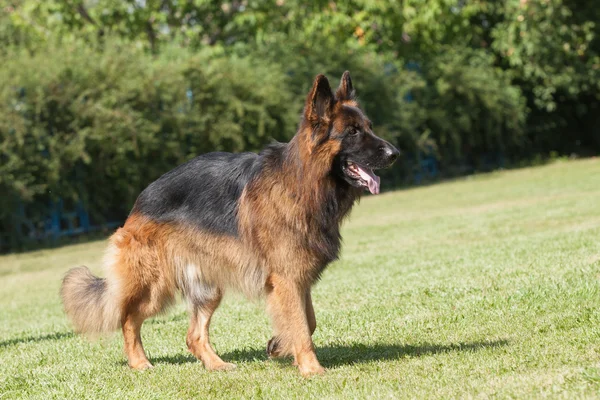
(182, 358)
(36, 339)
(334, 356)
(338, 355)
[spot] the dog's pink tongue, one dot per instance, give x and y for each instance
(371, 178)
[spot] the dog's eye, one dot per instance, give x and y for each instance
(353, 131)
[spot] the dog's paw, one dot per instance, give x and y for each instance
(311, 370)
(223, 366)
(141, 365)
(273, 346)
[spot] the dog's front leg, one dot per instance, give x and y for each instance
(310, 313)
(274, 344)
(287, 304)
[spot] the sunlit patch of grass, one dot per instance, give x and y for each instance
(485, 287)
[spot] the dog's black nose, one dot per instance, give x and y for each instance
(391, 153)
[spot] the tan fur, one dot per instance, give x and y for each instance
(149, 262)
(152, 262)
(274, 213)
(91, 303)
(281, 250)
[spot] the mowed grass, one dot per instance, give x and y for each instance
(483, 287)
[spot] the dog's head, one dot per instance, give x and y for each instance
(338, 131)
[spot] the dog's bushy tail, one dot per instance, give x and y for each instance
(90, 302)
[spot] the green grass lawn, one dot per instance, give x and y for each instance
(483, 287)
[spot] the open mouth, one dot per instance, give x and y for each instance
(363, 176)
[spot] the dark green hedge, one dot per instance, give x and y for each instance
(96, 124)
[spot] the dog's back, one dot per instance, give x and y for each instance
(203, 193)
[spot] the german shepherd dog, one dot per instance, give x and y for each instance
(266, 223)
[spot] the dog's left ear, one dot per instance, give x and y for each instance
(319, 102)
(345, 92)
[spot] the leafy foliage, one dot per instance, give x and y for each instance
(128, 89)
(98, 125)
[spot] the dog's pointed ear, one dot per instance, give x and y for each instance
(345, 92)
(319, 103)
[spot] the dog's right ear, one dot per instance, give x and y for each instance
(319, 103)
(345, 92)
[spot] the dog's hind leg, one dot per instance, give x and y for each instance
(135, 312)
(197, 336)
(136, 357)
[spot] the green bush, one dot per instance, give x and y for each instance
(98, 123)
(462, 106)
(79, 123)
(131, 90)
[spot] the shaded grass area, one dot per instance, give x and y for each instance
(482, 287)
